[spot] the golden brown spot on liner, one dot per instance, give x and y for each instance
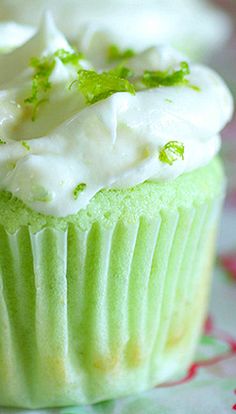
(54, 369)
(195, 310)
(6, 371)
(134, 354)
(106, 363)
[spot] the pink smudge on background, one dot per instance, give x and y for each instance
(229, 132)
(192, 372)
(231, 199)
(228, 262)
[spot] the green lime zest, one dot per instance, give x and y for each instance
(69, 57)
(122, 72)
(194, 87)
(78, 189)
(43, 68)
(115, 53)
(40, 84)
(2, 142)
(171, 152)
(155, 79)
(25, 145)
(97, 86)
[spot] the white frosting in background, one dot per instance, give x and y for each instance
(170, 22)
(113, 143)
(13, 35)
(194, 26)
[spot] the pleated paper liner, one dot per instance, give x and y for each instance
(97, 314)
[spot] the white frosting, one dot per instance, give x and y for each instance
(192, 25)
(113, 143)
(167, 21)
(13, 35)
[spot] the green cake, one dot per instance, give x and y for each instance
(109, 301)
(110, 196)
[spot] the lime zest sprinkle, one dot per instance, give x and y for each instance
(194, 87)
(78, 189)
(43, 67)
(115, 53)
(97, 86)
(40, 83)
(69, 57)
(72, 83)
(2, 142)
(156, 79)
(171, 152)
(25, 145)
(121, 71)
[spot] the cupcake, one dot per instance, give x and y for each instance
(148, 22)
(111, 190)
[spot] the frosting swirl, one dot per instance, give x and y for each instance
(56, 163)
(147, 22)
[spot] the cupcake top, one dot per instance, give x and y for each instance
(147, 23)
(13, 35)
(68, 130)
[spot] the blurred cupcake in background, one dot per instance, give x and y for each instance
(225, 62)
(193, 26)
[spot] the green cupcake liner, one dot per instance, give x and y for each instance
(96, 314)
